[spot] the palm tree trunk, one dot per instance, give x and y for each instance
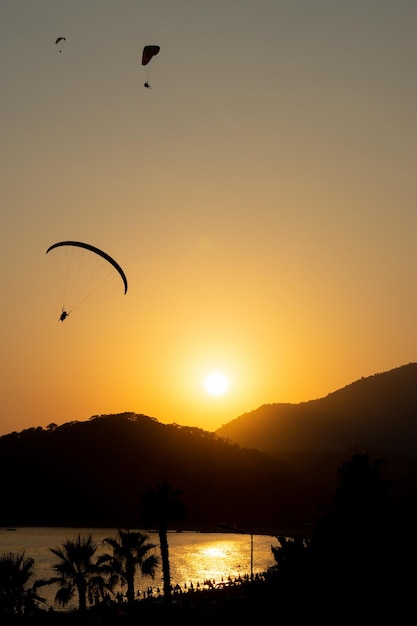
(166, 573)
(82, 597)
(130, 592)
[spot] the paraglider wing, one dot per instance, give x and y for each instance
(88, 246)
(148, 53)
(60, 39)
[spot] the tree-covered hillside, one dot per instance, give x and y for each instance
(92, 474)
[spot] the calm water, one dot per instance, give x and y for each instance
(194, 557)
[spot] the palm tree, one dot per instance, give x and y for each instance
(160, 506)
(130, 553)
(16, 594)
(77, 572)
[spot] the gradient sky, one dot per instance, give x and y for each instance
(261, 198)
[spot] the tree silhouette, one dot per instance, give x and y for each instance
(17, 596)
(354, 564)
(360, 514)
(354, 547)
(161, 506)
(77, 573)
(131, 551)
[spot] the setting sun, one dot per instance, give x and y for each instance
(216, 383)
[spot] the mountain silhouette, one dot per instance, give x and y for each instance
(268, 469)
(374, 413)
(93, 473)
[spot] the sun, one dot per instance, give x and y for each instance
(216, 383)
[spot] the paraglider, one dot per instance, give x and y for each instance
(147, 55)
(58, 39)
(83, 271)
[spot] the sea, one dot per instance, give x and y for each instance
(197, 560)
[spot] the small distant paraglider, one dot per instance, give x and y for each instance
(147, 55)
(59, 39)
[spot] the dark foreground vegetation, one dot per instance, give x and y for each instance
(355, 565)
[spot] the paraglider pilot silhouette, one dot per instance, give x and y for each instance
(63, 315)
(147, 85)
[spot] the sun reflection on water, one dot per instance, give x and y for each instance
(214, 560)
(197, 559)
(213, 552)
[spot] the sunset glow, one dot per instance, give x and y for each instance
(216, 383)
(260, 198)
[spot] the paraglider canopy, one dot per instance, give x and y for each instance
(100, 253)
(148, 53)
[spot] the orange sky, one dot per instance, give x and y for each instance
(260, 198)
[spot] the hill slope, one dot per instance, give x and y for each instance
(375, 413)
(93, 474)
